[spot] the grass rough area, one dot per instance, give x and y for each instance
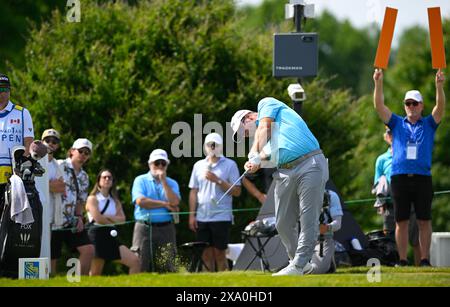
(356, 276)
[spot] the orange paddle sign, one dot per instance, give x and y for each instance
(387, 33)
(436, 38)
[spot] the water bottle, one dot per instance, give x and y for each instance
(355, 244)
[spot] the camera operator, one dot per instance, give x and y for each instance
(330, 221)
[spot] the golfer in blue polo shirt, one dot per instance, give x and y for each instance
(300, 178)
(412, 148)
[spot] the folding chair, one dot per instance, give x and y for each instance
(259, 248)
(196, 250)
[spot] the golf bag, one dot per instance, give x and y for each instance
(21, 240)
(380, 246)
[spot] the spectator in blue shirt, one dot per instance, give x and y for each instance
(413, 142)
(381, 188)
(155, 197)
(384, 205)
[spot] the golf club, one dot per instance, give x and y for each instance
(216, 202)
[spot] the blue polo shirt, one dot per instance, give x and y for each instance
(383, 166)
(291, 136)
(147, 186)
(421, 133)
(226, 169)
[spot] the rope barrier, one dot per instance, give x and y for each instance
(148, 219)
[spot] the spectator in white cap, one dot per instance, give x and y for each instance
(71, 229)
(51, 139)
(155, 197)
(412, 149)
(210, 178)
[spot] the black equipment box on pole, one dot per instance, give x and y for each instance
(295, 55)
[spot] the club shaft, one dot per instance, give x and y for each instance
(232, 186)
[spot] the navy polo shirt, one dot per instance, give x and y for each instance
(422, 134)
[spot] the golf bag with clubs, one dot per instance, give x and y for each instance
(21, 240)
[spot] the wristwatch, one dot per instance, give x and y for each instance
(219, 182)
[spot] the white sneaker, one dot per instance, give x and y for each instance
(291, 269)
(307, 269)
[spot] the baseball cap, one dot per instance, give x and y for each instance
(414, 95)
(50, 132)
(158, 154)
(80, 143)
(388, 130)
(214, 137)
(236, 124)
(4, 81)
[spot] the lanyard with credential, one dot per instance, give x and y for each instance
(412, 144)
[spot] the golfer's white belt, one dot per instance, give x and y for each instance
(299, 160)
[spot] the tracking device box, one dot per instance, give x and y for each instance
(295, 55)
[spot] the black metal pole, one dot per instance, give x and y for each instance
(299, 13)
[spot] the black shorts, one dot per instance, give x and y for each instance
(416, 190)
(73, 240)
(106, 246)
(217, 234)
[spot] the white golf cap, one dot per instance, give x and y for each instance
(414, 95)
(214, 138)
(81, 143)
(236, 123)
(158, 154)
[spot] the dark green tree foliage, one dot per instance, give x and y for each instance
(16, 16)
(125, 74)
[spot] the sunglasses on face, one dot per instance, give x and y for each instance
(409, 103)
(51, 140)
(106, 177)
(160, 162)
(85, 152)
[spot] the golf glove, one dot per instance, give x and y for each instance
(254, 158)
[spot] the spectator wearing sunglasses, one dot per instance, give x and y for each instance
(57, 187)
(71, 229)
(155, 197)
(412, 148)
(104, 210)
(384, 204)
(211, 222)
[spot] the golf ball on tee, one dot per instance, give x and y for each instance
(113, 233)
